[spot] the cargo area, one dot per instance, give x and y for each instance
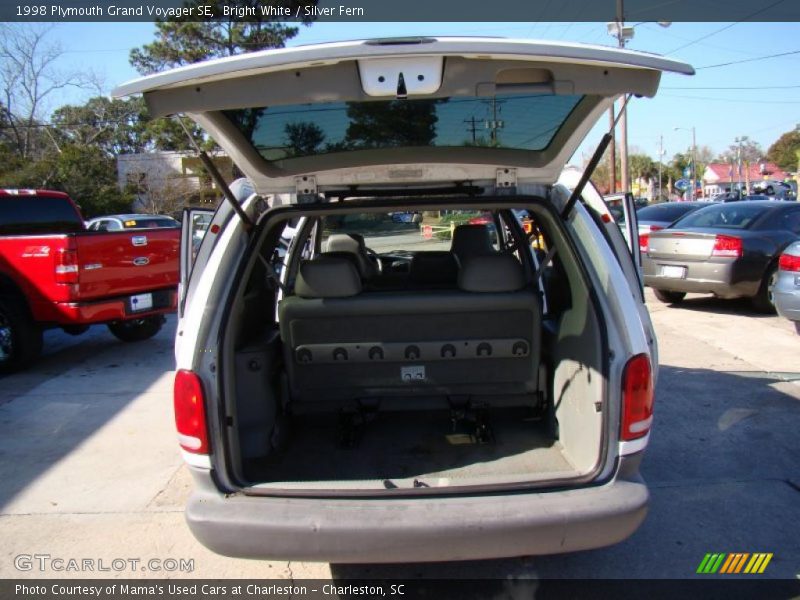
(396, 361)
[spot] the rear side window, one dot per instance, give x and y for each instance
(736, 215)
(26, 215)
(664, 212)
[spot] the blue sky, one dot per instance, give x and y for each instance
(718, 115)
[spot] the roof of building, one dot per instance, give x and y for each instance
(723, 172)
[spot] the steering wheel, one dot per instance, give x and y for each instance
(373, 256)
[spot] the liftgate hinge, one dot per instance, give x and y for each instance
(506, 182)
(306, 189)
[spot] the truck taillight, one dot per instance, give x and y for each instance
(66, 265)
(637, 398)
(190, 412)
(728, 246)
(789, 262)
(644, 242)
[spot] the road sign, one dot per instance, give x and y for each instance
(682, 185)
(427, 232)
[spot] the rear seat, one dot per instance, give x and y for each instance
(481, 341)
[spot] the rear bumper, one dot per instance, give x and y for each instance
(417, 529)
(106, 310)
(731, 279)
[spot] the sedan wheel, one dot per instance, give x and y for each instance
(764, 300)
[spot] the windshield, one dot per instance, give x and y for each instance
(737, 215)
(525, 122)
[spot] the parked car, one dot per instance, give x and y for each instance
(729, 250)
(659, 216)
(132, 221)
(787, 285)
(478, 403)
(54, 273)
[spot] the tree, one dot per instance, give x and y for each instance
(303, 138)
(784, 151)
(114, 126)
(181, 42)
(751, 151)
(391, 123)
(29, 79)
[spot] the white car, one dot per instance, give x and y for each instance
(131, 221)
(391, 394)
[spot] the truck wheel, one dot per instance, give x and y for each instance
(20, 337)
(136, 330)
(764, 301)
(669, 297)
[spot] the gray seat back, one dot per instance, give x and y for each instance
(482, 341)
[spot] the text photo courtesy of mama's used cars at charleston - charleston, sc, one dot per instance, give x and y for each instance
(331, 300)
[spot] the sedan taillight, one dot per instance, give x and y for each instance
(727, 246)
(644, 242)
(789, 262)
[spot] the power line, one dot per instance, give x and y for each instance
(752, 87)
(747, 18)
(746, 60)
(746, 101)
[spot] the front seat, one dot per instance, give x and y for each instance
(353, 243)
(470, 241)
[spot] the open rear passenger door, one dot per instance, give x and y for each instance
(194, 226)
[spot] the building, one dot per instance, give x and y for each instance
(718, 177)
(166, 182)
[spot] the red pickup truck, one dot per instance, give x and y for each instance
(55, 273)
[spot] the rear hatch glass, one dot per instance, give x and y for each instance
(524, 122)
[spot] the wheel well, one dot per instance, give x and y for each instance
(9, 288)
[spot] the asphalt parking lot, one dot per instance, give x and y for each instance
(89, 466)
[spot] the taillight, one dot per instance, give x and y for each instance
(637, 398)
(190, 413)
(727, 245)
(66, 265)
(656, 228)
(789, 262)
(644, 242)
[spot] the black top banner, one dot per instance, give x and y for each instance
(405, 10)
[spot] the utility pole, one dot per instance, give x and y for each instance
(472, 128)
(612, 151)
(494, 124)
(622, 34)
(694, 165)
(660, 157)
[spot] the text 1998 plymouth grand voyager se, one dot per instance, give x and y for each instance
(476, 382)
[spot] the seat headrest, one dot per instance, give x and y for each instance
(327, 277)
(471, 240)
(491, 273)
(345, 242)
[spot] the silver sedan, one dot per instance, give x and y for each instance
(787, 286)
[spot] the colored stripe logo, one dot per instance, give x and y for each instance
(734, 562)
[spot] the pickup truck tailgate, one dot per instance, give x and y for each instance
(126, 262)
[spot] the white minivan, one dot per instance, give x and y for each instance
(475, 383)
